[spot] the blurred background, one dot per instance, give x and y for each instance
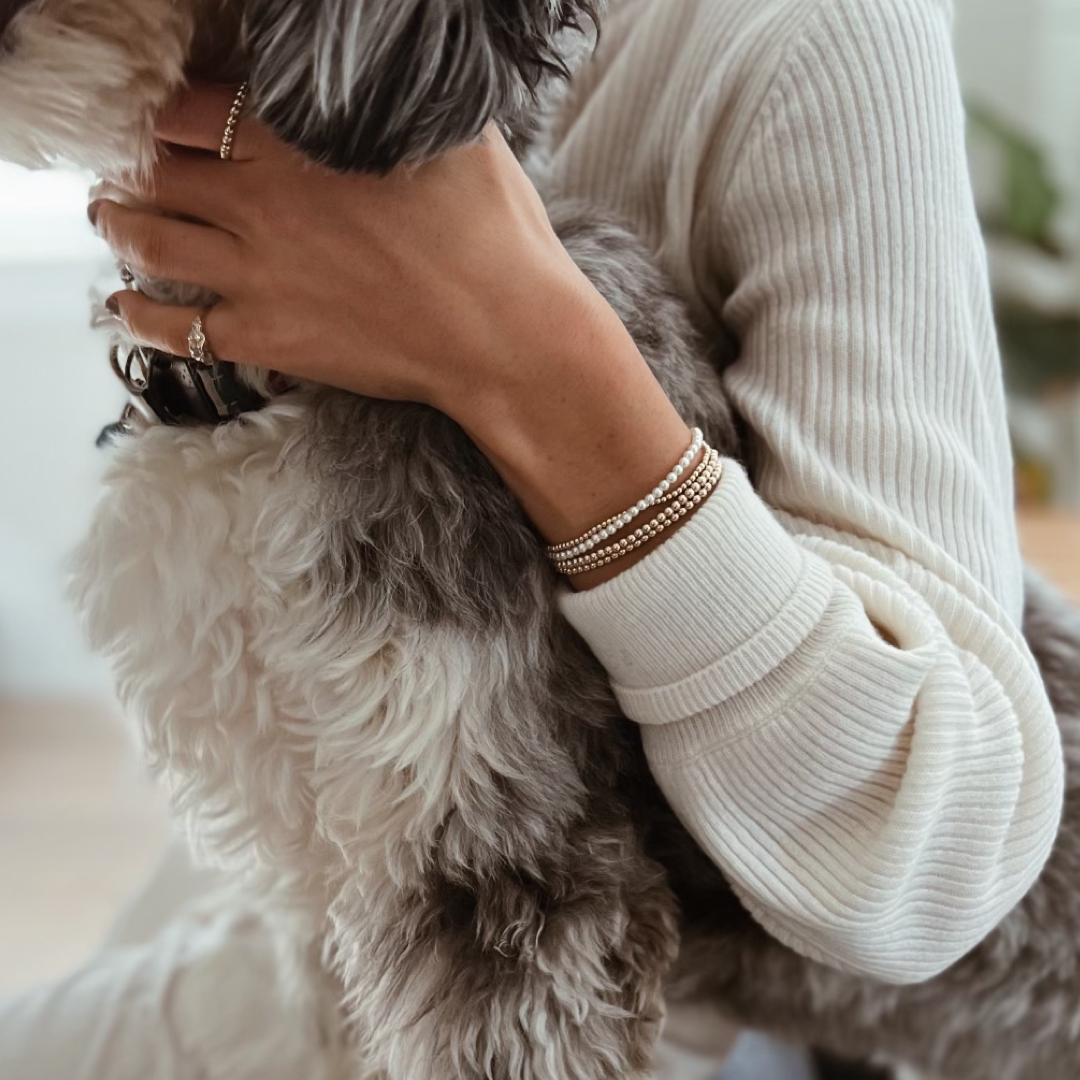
(80, 826)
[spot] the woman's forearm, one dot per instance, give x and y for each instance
(581, 430)
(444, 284)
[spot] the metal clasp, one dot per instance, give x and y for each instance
(134, 372)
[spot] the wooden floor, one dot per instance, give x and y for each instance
(1051, 542)
(80, 826)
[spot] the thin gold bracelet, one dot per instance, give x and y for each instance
(692, 488)
(595, 560)
(598, 533)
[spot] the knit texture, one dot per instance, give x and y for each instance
(799, 167)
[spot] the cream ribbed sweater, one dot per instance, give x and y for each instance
(799, 166)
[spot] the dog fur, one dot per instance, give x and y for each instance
(351, 670)
(339, 636)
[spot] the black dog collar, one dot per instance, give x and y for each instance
(176, 391)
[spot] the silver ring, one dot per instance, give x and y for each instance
(230, 125)
(196, 341)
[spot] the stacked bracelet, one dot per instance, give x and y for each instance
(598, 533)
(680, 507)
(583, 554)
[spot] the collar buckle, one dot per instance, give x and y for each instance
(176, 391)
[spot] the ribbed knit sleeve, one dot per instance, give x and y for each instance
(834, 692)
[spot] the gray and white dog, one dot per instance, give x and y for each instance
(339, 635)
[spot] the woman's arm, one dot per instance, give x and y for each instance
(879, 806)
(443, 284)
(834, 692)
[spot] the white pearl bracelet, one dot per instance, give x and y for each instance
(598, 533)
(595, 559)
(710, 464)
(689, 485)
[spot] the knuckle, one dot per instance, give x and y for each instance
(152, 253)
(143, 247)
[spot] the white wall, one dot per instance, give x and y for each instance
(56, 392)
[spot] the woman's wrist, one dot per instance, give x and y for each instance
(582, 432)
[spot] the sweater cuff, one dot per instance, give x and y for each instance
(708, 613)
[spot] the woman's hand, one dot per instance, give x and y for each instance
(421, 285)
(442, 284)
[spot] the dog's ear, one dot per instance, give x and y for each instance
(368, 84)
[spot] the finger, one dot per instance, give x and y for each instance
(197, 117)
(162, 247)
(184, 184)
(164, 327)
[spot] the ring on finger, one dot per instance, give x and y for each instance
(197, 345)
(229, 137)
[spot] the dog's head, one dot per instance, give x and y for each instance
(355, 84)
(368, 84)
(80, 80)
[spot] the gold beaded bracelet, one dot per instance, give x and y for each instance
(680, 496)
(709, 465)
(581, 564)
(562, 552)
(598, 533)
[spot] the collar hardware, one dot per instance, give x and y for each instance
(176, 391)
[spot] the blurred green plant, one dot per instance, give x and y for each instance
(1040, 350)
(1040, 342)
(1030, 197)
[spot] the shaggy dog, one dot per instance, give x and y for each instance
(339, 632)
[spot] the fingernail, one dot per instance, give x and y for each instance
(112, 306)
(93, 210)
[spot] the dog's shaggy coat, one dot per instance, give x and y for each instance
(339, 635)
